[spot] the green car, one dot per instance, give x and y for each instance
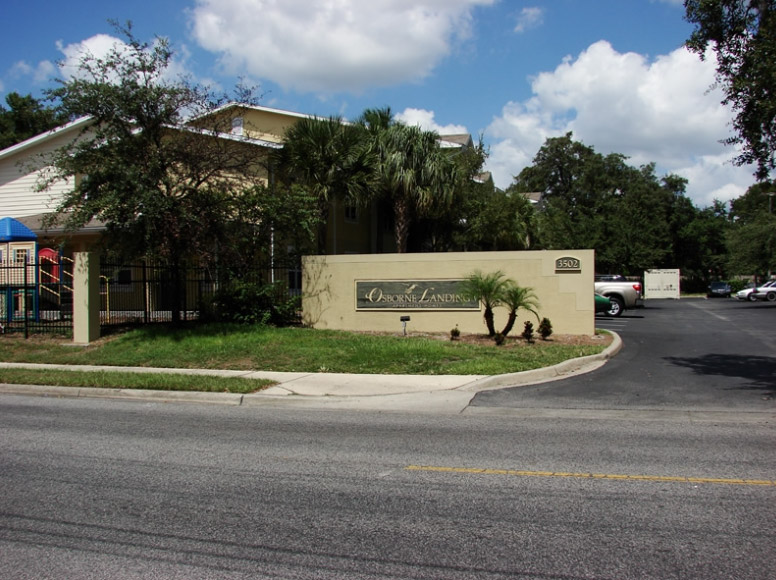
(602, 303)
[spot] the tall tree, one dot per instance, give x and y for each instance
(414, 175)
(575, 183)
(600, 202)
(479, 217)
(164, 189)
(743, 35)
(26, 117)
(751, 236)
(329, 158)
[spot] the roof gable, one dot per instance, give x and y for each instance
(43, 137)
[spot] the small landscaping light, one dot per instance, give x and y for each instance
(404, 321)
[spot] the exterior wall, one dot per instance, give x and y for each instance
(268, 125)
(19, 175)
(565, 296)
(345, 235)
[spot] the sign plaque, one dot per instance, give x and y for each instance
(568, 264)
(412, 295)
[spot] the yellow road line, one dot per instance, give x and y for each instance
(613, 476)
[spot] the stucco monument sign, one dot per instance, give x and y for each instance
(377, 292)
(412, 295)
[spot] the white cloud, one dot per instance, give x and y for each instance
(100, 46)
(529, 18)
(652, 111)
(425, 120)
(340, 45)
(40, 73)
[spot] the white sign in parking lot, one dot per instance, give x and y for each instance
(661, 284)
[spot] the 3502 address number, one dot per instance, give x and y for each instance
(568, 264)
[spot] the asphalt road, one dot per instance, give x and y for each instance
(575, 489)
(690, 354)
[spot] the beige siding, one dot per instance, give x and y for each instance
(19, 176)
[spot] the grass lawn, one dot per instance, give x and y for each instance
(121, 380)
(295, 349)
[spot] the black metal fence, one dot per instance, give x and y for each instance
(145, 294)
(37, 298)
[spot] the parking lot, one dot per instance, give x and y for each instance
(691, 354)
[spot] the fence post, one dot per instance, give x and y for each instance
(86, 297)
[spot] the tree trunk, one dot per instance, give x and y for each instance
(401, 225)
(510, 322)
(323, 227)
(489, 321)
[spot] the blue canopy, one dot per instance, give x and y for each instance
(12, 230)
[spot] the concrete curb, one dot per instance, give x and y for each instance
(574, 366)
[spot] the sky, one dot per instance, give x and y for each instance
(615, 73)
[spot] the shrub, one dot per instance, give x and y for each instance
(254, 303)
(455, 333)
(545, 328)
(499, 338)
(528, 331)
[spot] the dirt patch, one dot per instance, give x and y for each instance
(564, 339)
(604, 339)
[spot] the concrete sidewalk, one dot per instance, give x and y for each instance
(419, 393)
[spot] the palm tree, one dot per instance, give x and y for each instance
(413, 172)
(515, 297)
(329, 158)
(488, 289)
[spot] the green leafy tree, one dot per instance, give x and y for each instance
(515, 297)
(330, 159)
(414, 175)
(165, 189)
(758, 199)
(600, 202)
(636, 229)
(25, 118)
(454, 226)
(751, 236)
(752, 246)
(743, 35)
(484, 218)
(271, 224)
(489, 289)
(575, 185)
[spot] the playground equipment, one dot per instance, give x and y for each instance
(33, 284)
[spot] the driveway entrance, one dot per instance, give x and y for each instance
(688, 354)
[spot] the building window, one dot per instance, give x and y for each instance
(351, 213)
(118, 278)
(237, 126)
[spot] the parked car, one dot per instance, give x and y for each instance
(602, 303)
(765, 292)
(719, 288)
(750, 292)
(622, 293)
(746, 292)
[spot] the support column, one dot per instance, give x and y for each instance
(86, 297)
